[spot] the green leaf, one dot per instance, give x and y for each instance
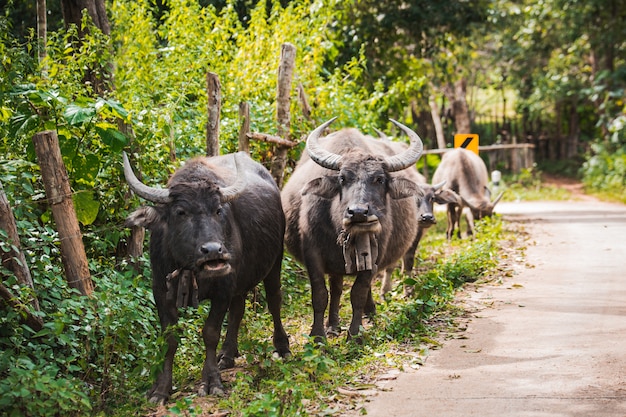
(86, 207)
(86, 168)
(111, 137)
(77, 115)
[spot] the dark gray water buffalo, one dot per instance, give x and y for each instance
(348, 212)
(430, 194)
(217, 231)
(466, 174)
(424, 200)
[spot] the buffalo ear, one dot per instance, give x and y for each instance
(145, 216)
(325, 187)
(402, 188)
(447, 196)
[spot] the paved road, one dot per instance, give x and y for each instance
(553, 340)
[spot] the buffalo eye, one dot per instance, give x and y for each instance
(342, 179)
(179, 211)
(218, 211)
(379, 180)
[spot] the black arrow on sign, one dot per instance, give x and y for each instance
(466, 142)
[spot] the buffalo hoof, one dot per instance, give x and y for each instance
(356, 339)
(217, 390)
(156, 398)
(226, 363)
(333, 331)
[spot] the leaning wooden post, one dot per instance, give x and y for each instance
(15, 261)
(214, 105)
(59, 197)
(285, 74)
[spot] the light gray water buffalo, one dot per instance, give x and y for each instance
(466, 174)
(217, 231)
(349, 211)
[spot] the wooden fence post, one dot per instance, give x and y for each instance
(285, 74)
(214, 105)
(244, 117)
(59, 197)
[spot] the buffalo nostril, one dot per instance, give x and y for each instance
(428, 217)
(210, 248)
(358, 213)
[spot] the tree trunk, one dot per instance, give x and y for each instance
(285, 74)
(14, 260)
(460, 108)
(59, 197)
(72, 11)
(214, 106)
(571, 150)
(102, 79)
(42, 31)
(434, 111)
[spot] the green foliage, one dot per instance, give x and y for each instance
(528, 186)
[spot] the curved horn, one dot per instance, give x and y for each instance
(232, 191)
(156, 195)
(382, 135)
(320, 155)
(468, 204)
(439, 185)
(497, 199)
(408, 157)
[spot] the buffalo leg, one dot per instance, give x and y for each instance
(336, 288)
(168, 316)
(452, 219)
(358, 297)
(319, 299)
(274, 304)
(211, 380)
(469, 219)
(230, 347)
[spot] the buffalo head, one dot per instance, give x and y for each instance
(362, 180)
(192, 215)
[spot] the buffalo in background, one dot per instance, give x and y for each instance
(349, 211)
(466, 174)
(216, 232)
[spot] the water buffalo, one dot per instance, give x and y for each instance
(424, 200)
(346, 206)
(430, 194)
(466, 174)
(217, 231)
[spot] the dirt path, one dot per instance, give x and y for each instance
(549, 341)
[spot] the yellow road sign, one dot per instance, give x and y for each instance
(468, 141)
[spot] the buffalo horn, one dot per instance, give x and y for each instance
(409, 156)
(497, 198)
(155, 195)
(320, 155)
(382, 135)
(439, 185)
(232, 191)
